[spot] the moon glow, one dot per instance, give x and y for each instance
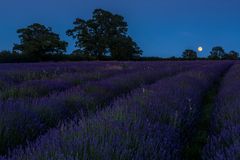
(200, 49)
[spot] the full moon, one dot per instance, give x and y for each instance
(200, 49)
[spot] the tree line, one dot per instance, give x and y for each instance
(101, 37)
(217, 53)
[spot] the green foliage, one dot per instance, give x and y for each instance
(189, 54)
(104, 34)
(39, 42)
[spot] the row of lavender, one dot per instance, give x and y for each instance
(150, 123)
(25, 119)
(224, 140)
(43, 87)
(11, 74)
(76, 75)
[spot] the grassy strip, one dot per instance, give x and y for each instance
(198, 139)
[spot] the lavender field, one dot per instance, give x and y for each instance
(169, 110)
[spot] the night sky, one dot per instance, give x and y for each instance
(160, 27)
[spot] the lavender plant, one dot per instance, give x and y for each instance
(150, 123)
(25, 119)
(224, 140)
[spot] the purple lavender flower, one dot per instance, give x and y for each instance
(148, 123)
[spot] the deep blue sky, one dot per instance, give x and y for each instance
(160, 27)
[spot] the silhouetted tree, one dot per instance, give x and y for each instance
(38, 41)
(124, 48)
(189, 54)
(80, 55)
(217, 53)
(8, 56)
(102, 34)
(5, 53)
(78, 52)
(232, 55)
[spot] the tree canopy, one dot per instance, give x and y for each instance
(189, 54)
(104, 34)
(102, 37)
(232, 55)
(217, 53)
(38, 41)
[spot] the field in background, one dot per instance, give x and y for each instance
(120, 110)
